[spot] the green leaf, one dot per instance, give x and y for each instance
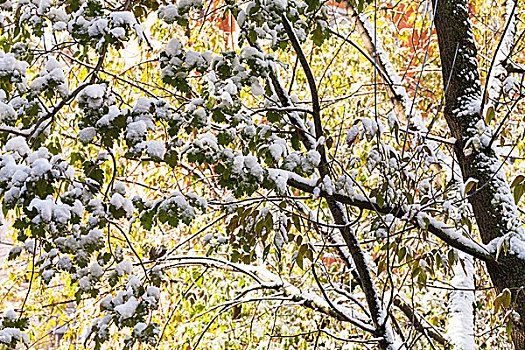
(506, 298)
(401, 253)
(273, 117)
(380, 200)
(296, 222)
(299, 261)
(517, 180)
(469, 185)
(508, 328)
(318, 36)
(489, 115)
(518, 193)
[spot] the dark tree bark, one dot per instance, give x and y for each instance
(494, 210)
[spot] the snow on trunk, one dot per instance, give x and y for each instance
(460, 330)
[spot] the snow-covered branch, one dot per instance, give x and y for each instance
(460, 329)
(268, 280)
(498, 70)
(395, 88)
(422, 220)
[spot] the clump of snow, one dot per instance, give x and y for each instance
(139, 328)
(7, 113)
(156, 149)
(9, 335)
(352, 134)
(12, 68)
(93, 95)
(18, 144)
(174, 47)
(120, 202)
(87, 135)
(47, 210)
(52, 77)
(510, 84)
(127, 310)
(169, 13)
(123, 268)
(135, 131)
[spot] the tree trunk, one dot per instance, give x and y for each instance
(494, 209)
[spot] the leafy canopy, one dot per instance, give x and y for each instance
(136, 137)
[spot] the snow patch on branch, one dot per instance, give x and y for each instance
(425, 220)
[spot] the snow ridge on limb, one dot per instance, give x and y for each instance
(469, 104)
(380, 322)
(498, 73)
(395, 89)
(460, 329)
(496, 213)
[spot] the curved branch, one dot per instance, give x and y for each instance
(316, 107)
(377, 312)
